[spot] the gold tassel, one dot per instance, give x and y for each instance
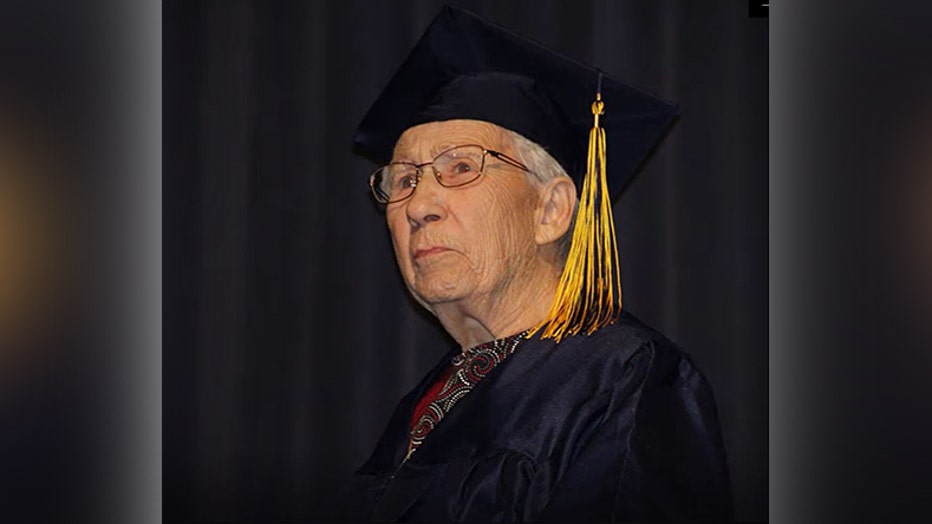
(589, 294)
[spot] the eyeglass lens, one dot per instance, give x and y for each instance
(454, 167)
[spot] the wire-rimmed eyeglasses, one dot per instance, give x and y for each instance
(454, 167)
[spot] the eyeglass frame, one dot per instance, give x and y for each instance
(419, 171)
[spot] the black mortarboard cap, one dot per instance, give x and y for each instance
(464, 67)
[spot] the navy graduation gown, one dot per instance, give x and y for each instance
(616, 426)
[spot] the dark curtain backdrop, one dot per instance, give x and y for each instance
(288, 335)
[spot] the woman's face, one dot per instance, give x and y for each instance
(458, 244)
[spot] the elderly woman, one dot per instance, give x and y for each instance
(556, 405)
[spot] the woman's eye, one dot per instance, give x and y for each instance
(405, 182)
(462, 167)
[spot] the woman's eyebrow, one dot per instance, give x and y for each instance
(436, 150)
(400, 155)
(432, 152)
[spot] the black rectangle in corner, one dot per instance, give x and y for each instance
(758, 8)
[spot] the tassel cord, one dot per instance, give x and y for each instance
(588, 295)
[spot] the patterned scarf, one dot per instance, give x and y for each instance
(469, 367)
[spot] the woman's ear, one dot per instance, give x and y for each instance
(555, 210)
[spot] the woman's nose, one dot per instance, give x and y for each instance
(426, 204)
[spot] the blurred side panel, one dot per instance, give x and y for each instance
(78, 202)
(849, 261)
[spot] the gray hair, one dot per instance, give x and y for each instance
(544, 168)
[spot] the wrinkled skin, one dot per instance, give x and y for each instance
(482, 257)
